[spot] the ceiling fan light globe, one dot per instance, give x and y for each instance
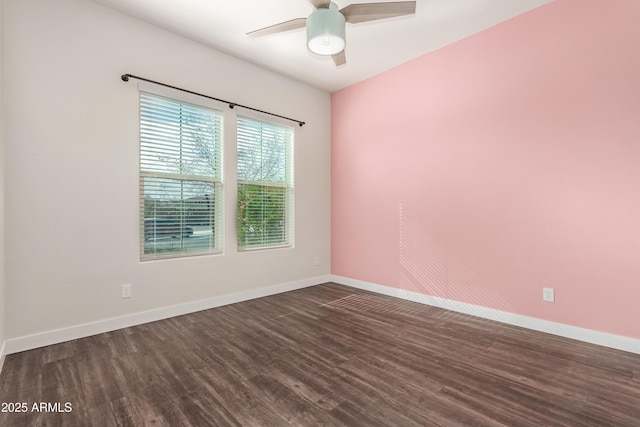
(326, 31)
(326, 45)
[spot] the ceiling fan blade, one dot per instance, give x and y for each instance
(363, 12)
(339, 59)
(293, 24)
(320, 4)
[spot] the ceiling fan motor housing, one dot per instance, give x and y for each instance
(326, 31)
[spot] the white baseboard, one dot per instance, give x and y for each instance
(594, 337)
(56, 336)
(2, 354)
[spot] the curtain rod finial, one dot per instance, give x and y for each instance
(125, 77)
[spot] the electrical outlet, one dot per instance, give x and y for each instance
(316, 261)
(125, 291)
(548, 295)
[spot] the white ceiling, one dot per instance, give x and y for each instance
(372, 47)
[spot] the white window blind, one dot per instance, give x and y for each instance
(180, 178)
(265, 184)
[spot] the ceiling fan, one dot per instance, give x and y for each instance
(326, 24)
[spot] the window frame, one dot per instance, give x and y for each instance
(216, 180)
(288, 184)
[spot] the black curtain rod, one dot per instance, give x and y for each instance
(126, 77)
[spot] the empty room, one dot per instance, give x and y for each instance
(303, 212)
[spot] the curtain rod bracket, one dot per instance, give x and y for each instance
(232, 105)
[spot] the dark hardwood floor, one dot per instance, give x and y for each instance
(326, 355)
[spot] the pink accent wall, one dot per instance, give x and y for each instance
(499, 165)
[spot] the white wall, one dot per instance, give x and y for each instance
(2, 181)
(72, 167)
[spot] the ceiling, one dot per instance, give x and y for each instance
(372, 47)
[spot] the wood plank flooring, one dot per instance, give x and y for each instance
(328, 355)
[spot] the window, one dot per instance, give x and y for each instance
(180, 178)
(265, 184)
